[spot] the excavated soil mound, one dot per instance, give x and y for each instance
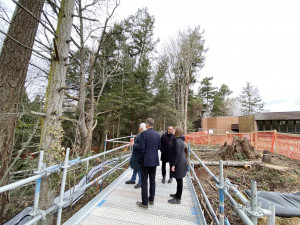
(240, 149)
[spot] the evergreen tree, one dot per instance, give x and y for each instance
(250, 100)
(127, 95)
(218, 103)
(162, 109)
(207, 92)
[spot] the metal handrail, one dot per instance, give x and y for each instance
(249, 208)
(213, 214)
(38, 214)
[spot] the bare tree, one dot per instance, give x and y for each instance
(186, 57)
(14, 59)
(52, 132)
(87, 98)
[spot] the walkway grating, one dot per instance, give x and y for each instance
(116, 204)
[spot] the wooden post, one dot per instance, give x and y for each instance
(275, 145)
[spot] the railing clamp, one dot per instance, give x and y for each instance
(258, 214)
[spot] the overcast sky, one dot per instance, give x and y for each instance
(248, 40)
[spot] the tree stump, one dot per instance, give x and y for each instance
(266, 156)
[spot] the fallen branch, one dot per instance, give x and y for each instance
(229, 163)
(211, 185)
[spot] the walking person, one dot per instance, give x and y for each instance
(178, 163)
(134, 163)
(148, 159)
(166, 142)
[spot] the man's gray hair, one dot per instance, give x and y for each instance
(150, 122)
(143, 126)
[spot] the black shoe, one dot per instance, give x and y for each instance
(141, 205)
(173, 195)
(137, 186)
(150, 202)
(129, 182)
(174, 201)
(170, 180)
(164, 179)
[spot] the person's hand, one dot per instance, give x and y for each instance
(131, 142)
(173, 168)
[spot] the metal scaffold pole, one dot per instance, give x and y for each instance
(253, 202)
(62, 187)
(38, 185)
(221, 193)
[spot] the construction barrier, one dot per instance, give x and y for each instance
(281, 143)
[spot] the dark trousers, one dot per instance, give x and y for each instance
(148, 172)
(179, 188)
(163, 168)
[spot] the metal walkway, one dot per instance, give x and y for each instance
(116, 204)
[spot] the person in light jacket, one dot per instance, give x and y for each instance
(178, 163)
(134, 163)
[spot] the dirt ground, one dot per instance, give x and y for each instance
(282, 174)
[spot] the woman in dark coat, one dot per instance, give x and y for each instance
(178, 163)
(134, 164)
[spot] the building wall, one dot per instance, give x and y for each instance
(219, 124)
(247, 124)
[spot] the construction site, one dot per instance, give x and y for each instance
(230, 182)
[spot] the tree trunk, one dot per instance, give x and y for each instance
(182, 93)
(187, 88)
(186, 107)
(82, 89)
(52, 132)
(90, 111)
(14, 60)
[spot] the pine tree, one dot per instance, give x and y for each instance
(218, 103)
(162, 109)
(250, 100)
(207, 92)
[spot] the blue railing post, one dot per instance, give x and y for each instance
(131, 142)
(189, 158)
(62, 187)
(221, 193)
(38, 185)
(105, 146)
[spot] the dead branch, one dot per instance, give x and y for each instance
(75, 43)
(24, 45)
(71, 97)
(24, 146)
(211, 185)
(50, 24)
(38, 68)
(30, 13)
(85, 18)
(53, 6)
(229, 163)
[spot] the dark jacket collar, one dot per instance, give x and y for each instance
(181, 137)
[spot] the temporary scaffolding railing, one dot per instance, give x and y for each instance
(248, 208)
(37, 213)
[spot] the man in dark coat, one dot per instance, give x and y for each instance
(148, 159)
(134, 162)
(166, 142)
